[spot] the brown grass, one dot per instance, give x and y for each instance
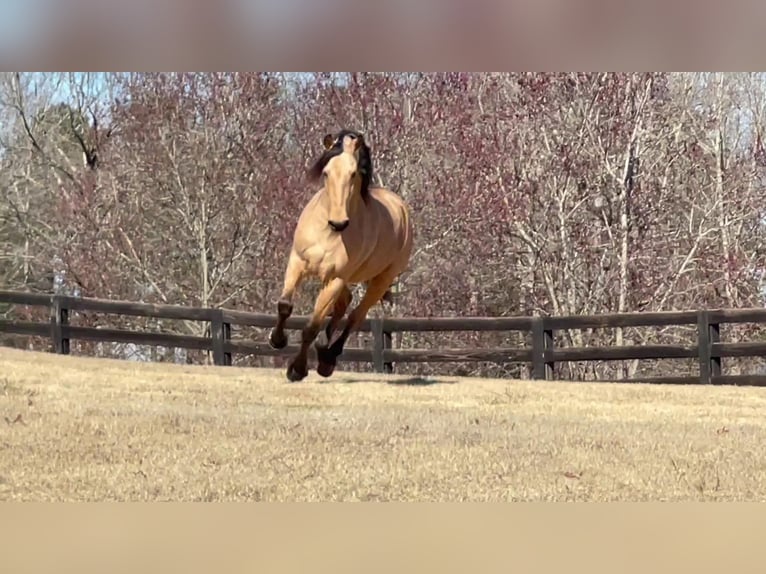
(75, 428)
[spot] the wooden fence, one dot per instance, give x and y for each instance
(708, 349)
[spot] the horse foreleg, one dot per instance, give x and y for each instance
(297, 369)
(293, 278)
(328, 357)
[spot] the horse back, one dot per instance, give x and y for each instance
(394, 221)
(394, 209)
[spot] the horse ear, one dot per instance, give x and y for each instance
(353, 144)
(328, 141)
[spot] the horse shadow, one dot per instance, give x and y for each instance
(402, 382)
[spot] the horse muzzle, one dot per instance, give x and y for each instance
(338, 225)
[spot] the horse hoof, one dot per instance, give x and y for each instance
(277, 342)
(294, 375)
(325, 355)
(325, 369)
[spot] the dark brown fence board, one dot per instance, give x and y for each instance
(138, 309)
(502, 355)
(19, 298)
(623, 353)
(265, 321)
(260, 320)
(393, 324)
(353, 355)
(744, 349)
(137, 337)
(425, 324)
(655, 319)
(744, 380)
(31, 328)
(750, 315)
(664, 380)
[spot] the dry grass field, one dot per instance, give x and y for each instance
(77, 429)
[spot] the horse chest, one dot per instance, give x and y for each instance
(324, 262)
(351, 256)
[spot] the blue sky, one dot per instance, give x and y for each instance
(96, 81)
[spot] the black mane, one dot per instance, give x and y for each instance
(365, 159)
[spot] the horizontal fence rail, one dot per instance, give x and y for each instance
(542, 355)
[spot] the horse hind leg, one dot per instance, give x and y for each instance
(388, 297)
(376, 289)
(325, 362)
(294, 275)
(341, 305)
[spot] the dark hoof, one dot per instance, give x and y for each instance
(326, 361)
(326, 355)
(325, 369)
(294, 374)
(277, 341)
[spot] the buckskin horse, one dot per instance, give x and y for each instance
(350, 232)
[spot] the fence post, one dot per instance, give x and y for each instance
(376, 326)
(220, 332)
(707, 334)
(388, 367)
(59, 319)
(542, 342)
